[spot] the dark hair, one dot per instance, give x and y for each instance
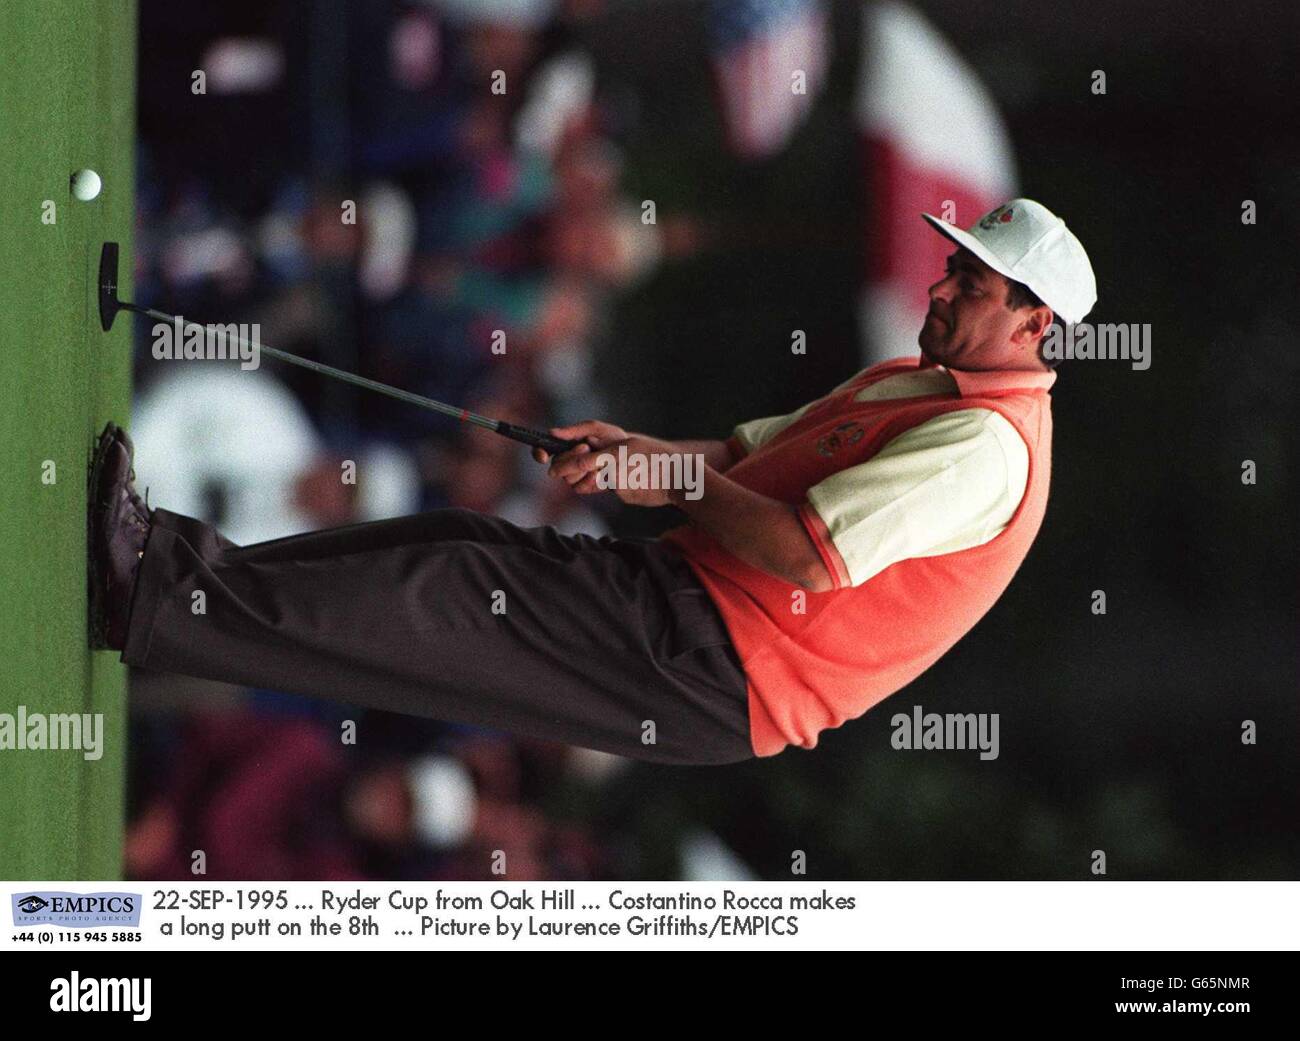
(1020, 295)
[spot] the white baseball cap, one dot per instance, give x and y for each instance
(1028, 243)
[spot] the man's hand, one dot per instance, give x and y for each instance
(580, 468)
(595, 433)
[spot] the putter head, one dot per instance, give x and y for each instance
(109, 304)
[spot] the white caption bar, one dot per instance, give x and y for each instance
(653, 916)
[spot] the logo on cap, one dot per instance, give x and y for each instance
(1002, 215)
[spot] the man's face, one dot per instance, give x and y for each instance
(970, 326)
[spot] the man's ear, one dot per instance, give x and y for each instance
(1035, 325)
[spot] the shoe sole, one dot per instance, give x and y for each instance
(97, 624)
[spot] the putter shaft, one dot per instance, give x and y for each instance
(525, 435)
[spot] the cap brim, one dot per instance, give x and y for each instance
(968, 241)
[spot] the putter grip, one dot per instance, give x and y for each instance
(536, 438)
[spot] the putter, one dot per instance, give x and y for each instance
(109, 305)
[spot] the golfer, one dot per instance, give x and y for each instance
(834, 554)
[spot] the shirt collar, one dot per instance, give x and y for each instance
(972, 384)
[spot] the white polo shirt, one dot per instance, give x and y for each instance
(948, 484)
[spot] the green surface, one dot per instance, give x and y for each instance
(67, 101)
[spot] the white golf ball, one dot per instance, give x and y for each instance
(86, 185)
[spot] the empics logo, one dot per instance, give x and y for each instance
(75, 994)
(77, 910)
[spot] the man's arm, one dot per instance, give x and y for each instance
(716, 453)
(763, 532)
(598, 434)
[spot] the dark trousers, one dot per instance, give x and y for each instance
(605, 643)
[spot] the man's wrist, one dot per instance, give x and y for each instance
(683, 495)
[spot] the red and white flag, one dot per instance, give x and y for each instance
(933, 142)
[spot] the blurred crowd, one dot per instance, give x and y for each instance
(440, 211)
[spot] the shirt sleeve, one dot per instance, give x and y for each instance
(755, 432)
(750, 435)
(945, 485)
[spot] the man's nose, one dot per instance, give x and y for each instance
(942, 290)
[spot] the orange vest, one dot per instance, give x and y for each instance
(854, 646)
